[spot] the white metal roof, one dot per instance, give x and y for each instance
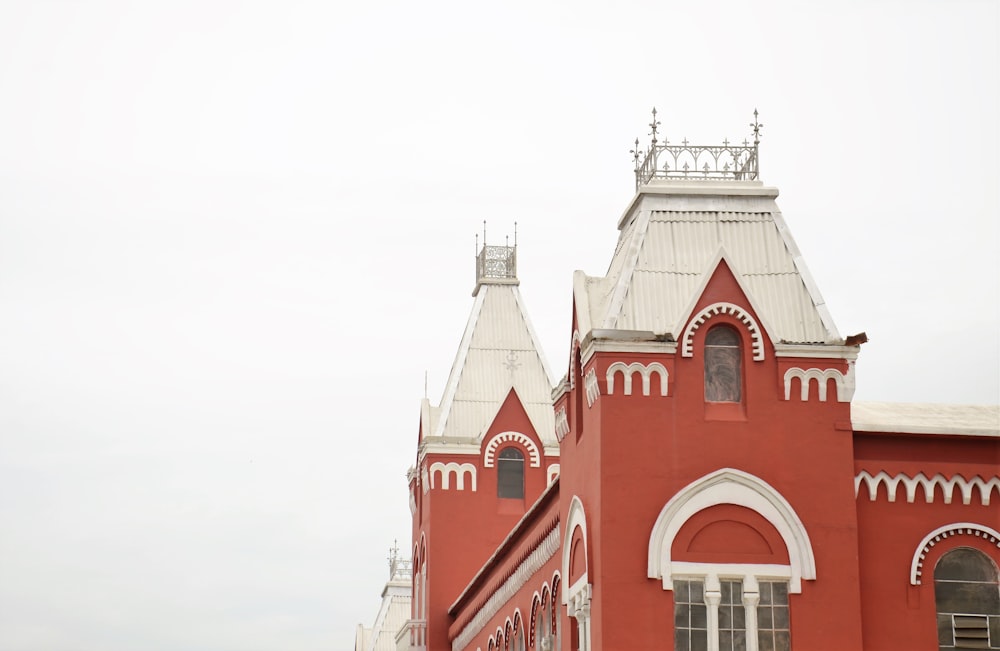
(672, 238)
(499, 351)
(926, 418)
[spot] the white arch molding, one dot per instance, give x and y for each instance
(489, 457)
(730, 486)
(576, 517)
(757, 342)
(955, 529)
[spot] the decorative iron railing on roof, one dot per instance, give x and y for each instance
(496, 262)
(688, 162)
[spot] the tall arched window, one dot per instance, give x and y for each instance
(723, 356)
(967, 595)
(510, 473)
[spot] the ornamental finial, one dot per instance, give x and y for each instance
(757, 126)
(635, 155)
(653, 125)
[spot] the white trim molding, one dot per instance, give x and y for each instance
(965, 486)
(730, 486)
(534, 562)
(562, 424)
(593, 389)
(551, 473)
(460, 470)
(576, 517)
(644, 370)
(425, 479)
(687, 341)
(845, 384)
(489, 457)
(939, 534)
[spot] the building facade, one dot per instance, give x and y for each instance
(700, 477)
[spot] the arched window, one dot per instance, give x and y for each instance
(510, 474)
(968, 600)
(723, 356)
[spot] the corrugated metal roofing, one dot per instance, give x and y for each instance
(663, 256)
(924, 418)
(499, 351)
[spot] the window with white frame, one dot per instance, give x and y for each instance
(731, 614)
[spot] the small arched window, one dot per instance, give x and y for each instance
(968, 600)
(723, 356)
(510, 474)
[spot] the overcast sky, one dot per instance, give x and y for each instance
(234, 235)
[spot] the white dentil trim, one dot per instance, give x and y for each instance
(934, 537)
(757, 342)
(845, 384)
(489, 456)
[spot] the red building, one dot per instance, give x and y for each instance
(699, 478)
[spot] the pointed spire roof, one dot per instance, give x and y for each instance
(673, 237)
(696, 206)
(499, 351)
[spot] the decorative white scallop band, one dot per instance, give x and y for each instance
(947, 531)
(645, 371)
(534, 562)
(562, 424)
(845, 384)
(593, 390)
(489, 457)
(687, 345)
(911, 484)
(445, 471)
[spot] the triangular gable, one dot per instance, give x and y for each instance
(720, 258)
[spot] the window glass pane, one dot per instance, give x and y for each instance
(699, 616)
(510, 473)
(973, 598)
(772, 618)
(690, 616)
(965, 564)
(722, 365)
(945, 636)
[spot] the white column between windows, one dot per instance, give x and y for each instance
(713, 596)
(751, 597)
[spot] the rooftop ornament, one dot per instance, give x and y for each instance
(688, 162)
(496, 262)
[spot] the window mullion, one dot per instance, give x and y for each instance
(750, 601)
(713, 596)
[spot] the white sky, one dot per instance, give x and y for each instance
(233, 235)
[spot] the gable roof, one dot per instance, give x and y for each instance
(673, 236)
(499, 351)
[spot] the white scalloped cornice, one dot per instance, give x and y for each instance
(911, 484)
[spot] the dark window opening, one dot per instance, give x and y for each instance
(723, 356)
(966, 592)
(510, 474)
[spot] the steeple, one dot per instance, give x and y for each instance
(499, 351)
(697, 207)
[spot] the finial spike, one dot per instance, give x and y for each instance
(515, 234)
(484, 232)
(757, 126)
(653, 126)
